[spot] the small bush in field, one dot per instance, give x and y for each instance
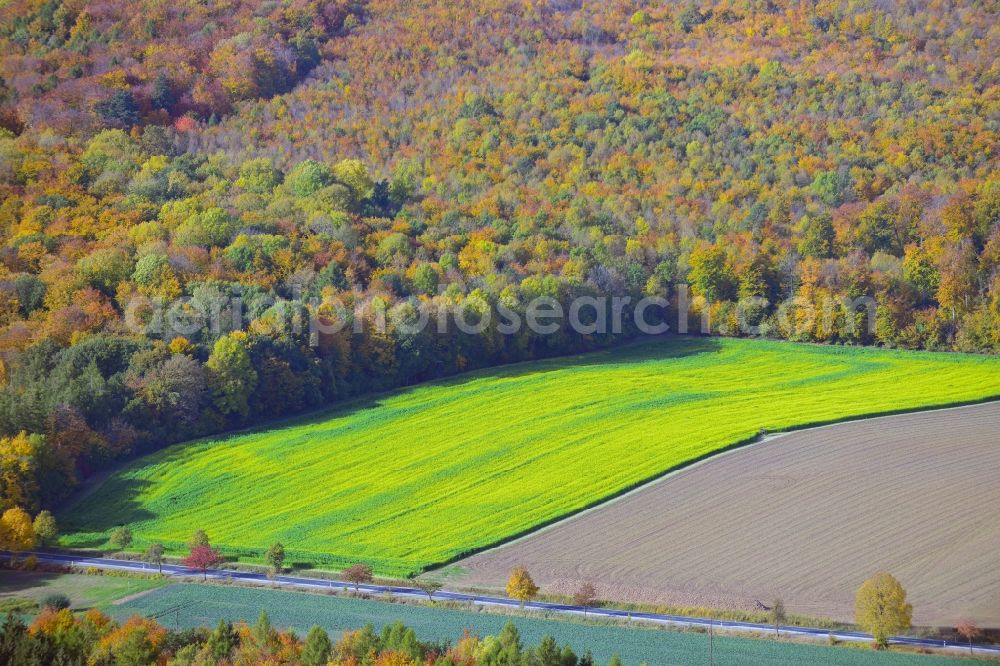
(56, 601)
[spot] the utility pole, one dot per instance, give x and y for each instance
(711, 640)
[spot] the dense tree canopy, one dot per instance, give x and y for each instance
(461, 157)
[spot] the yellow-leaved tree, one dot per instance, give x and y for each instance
(880, 607)
(16, 531)
(18, 486)
(520, 586)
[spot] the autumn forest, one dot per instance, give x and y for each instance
(388, 154)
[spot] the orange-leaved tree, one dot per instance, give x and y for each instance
(357, 574)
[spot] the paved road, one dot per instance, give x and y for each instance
(486, 600)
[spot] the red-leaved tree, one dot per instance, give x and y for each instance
(969, 631)
(358, 574)
(203, 558)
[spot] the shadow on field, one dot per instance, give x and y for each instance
(12, 582)
(631, 353)
(104, 513)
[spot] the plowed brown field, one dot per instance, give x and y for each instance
(805, 516)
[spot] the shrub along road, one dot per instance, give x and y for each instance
(485, 600)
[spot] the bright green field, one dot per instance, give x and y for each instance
(422, 475)
(201, 605)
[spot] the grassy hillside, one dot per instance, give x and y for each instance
(201, 605)
(419, 476)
